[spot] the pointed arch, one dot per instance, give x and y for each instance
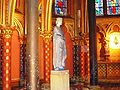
(70, 29)
(19, 27)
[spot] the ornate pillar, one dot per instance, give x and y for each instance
(76, 59)
(82, 63)
(46, 33)
(47, 57)
(32, 45)
(85, 48)
(1, 56)
(84, 56)
(7, 8)
(6, 65)
(86, 62)
(83, 39)
(22, 61)
(92, 42)
(81, 45)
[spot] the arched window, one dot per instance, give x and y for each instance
(99, 7)
(107, 7)
(113, 7)
(60, 7)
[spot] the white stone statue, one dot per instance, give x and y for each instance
(59, 46)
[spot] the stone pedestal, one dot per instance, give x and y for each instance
(60, 80)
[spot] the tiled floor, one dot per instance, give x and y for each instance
(75, 87)
(110, 88)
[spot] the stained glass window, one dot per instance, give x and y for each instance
(61, 7)
(113, 7)
(107, 7)
(99, 7)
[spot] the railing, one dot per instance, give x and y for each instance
(109, 71)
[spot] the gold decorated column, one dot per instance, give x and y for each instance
(32, 45)
(47, 34)
(6, 64)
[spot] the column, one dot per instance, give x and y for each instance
(1, 57)
(22, 61)
(6, 63)
(92, 42)
(32, 45)
(86, 63)
(76, 59)
(82, 63)
(47, 55)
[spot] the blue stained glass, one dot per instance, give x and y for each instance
(117, 10)
(113, 7)
(99, 7)
(61, 7)
(110, 9)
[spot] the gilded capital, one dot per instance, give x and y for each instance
(75, 41)
(47, 37)
(6, 30)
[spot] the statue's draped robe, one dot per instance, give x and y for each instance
(59, 48)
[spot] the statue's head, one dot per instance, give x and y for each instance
(58, 21)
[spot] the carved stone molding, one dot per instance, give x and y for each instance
(75, 41)
(70, 27)
(84, 38)
(7, 30)
(19, 27)
(107, 26)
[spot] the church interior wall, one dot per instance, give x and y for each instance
(105, 24)
(108, 59)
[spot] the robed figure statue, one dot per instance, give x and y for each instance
(59, 46)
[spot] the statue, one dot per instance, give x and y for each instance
(59, 46)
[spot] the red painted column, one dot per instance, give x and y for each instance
(82, 62)
(88, 64)
(47, 59)
(6, 65)
(1, 56)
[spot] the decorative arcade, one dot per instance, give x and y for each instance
(92, 32)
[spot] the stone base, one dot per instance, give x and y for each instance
(59, 80)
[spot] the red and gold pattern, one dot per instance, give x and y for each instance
(82, 63)
(7, 64)
(47, 58)
(6, 31)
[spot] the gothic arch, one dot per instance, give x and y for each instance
(70, 29)
(19, 27)
(111, 28)
(100, 30)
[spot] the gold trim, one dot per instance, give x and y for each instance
(70, 28)
(7, 33)
(50, 17)
(43, 16)
(13, 11)
(46, 16)
(19, 27)
(7, 30)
